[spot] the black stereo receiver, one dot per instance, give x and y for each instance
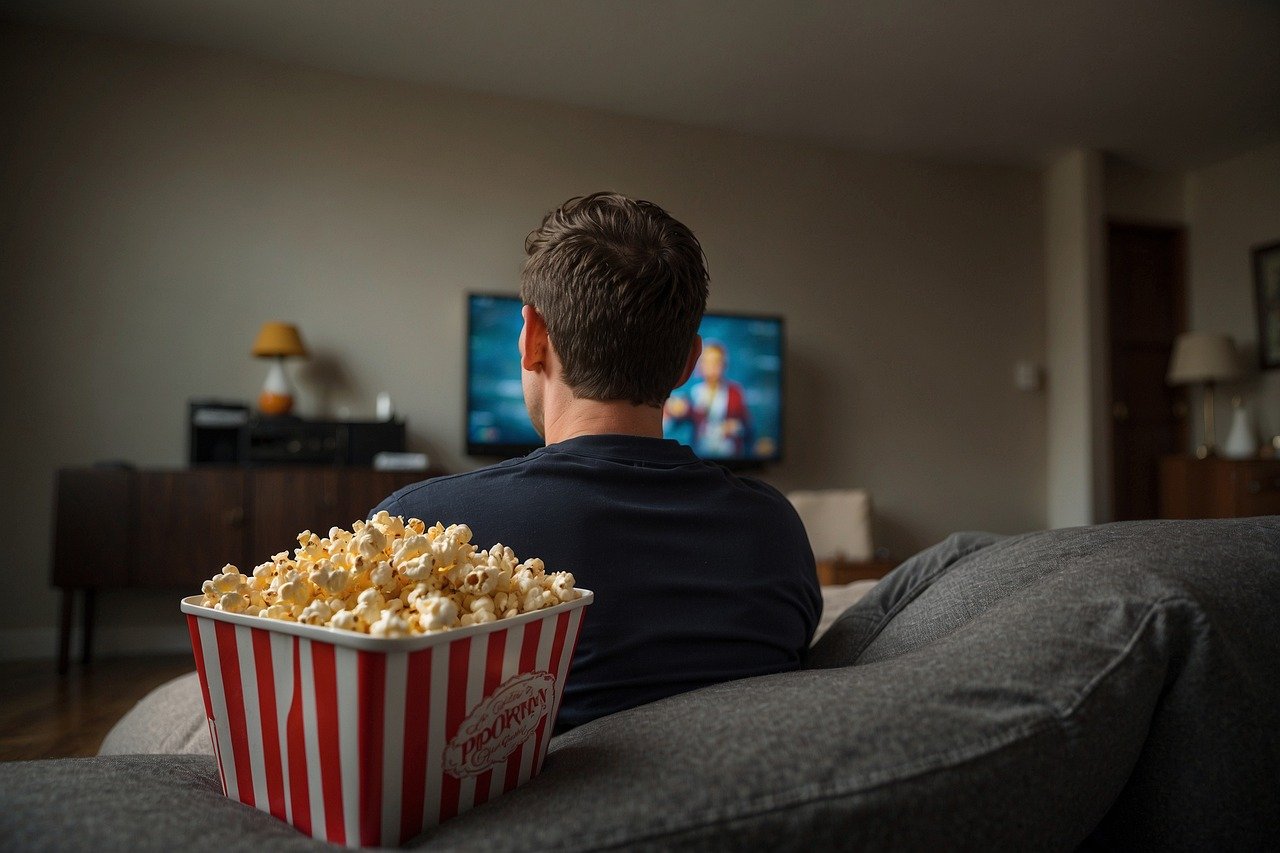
(227, 434)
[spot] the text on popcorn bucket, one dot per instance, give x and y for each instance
(500, 723)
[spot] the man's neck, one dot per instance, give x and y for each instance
(575, 417)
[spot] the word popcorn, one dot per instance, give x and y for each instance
(388, 577)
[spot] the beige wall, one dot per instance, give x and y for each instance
(163, 202)
(1233, 206)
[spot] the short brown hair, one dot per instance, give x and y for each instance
(622, 287)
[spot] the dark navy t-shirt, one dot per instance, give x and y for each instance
(700, 576)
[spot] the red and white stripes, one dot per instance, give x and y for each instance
(349, 744)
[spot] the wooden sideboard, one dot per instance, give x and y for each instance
(128, 528)
(1218, 488)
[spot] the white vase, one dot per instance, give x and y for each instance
(1241, 442)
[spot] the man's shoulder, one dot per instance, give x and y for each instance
(762, 488)
(463, 483)
(779, 503)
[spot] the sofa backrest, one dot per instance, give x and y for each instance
(1194, 601)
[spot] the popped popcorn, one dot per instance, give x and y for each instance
(390, 577)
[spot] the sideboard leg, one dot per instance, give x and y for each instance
(64, 630)
(86, 650)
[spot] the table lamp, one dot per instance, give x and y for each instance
(277, 341)
(1204, 358)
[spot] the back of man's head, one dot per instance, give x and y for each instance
(622, 287)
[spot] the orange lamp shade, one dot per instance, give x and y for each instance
(277, 339)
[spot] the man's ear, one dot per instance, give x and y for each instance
(533, 339)
(695, 352)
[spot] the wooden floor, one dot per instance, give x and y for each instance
(46, 715)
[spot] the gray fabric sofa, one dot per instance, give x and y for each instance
(1115, 687)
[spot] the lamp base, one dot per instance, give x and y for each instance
(276, 397)
(275, 404)
(1209, 448)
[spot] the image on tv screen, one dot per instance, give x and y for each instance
(730, 409)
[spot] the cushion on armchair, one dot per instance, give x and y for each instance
(838, 522)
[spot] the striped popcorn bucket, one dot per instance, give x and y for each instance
(365, 741)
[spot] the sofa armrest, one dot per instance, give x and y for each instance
(168, 720)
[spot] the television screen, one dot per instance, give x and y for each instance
(730, 410)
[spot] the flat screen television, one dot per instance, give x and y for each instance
(729, 411)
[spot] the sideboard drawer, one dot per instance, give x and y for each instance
(1256, 486)
(1219, 488)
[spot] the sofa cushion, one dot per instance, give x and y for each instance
(1116, 686)
(131, 802)
(858, 625)
(836, 600)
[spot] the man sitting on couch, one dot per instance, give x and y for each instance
(700, 576)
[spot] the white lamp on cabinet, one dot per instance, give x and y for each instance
(1204, 358)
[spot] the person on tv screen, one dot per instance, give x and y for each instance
(715, 409)
(700, 576)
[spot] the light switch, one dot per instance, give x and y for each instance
(1027, 375)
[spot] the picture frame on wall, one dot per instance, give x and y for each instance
(1266, 275)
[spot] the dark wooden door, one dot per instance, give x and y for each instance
(1147, 301)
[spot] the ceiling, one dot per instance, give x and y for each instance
(1163, 83)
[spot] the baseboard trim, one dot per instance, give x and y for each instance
(108, 641)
